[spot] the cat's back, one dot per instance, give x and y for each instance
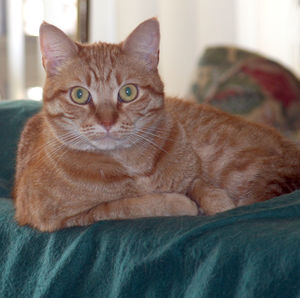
(206, 125)
(199, 116)
(220, 138)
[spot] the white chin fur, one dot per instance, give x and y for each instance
(105, 144)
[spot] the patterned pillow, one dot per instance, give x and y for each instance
(248, 84)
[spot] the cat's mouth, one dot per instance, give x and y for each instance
(105, 136)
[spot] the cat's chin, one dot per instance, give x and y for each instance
(107, 144)
(104, 144)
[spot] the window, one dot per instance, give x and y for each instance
(21, 72)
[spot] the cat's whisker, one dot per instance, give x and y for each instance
(62, 138)
(149, 141)
(73, 139)
(155, 134)
(52, 153)
(137, 140)
(134, 140)
(131, 140)
(51, 150)
(158, 129)
(47, 145)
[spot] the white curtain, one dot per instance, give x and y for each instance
(271, 27)
(187, 26)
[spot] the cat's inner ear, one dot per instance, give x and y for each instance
(144, 42)
(56, 48)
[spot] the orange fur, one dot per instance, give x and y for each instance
(154, 156)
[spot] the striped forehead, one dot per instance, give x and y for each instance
(100, 62)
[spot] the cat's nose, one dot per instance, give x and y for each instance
(107, 124)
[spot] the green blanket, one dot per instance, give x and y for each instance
(252, 251)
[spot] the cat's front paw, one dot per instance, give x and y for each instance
(180, 205)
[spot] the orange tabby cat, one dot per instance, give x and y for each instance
(108, 145)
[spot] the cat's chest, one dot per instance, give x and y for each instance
(163, 182)
(93, 179)
(115, 184)
(100, 188)
(163, 177)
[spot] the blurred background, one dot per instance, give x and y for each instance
(188, 27)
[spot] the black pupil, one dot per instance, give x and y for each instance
(79, 93)
(128, 91)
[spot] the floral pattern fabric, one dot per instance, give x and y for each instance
(250, 85)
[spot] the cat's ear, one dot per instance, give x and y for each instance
(56, 48)
(144, 42)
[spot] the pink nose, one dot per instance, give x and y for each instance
(107, 125)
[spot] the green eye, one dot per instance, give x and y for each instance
(128, 93)
(80, 95)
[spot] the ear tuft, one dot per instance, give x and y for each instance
(56, 47)
(144, 42)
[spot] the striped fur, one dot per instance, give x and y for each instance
(160, 157)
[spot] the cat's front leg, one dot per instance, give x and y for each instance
(211, 199)
(156, 204)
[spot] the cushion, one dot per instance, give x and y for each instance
(250, 85)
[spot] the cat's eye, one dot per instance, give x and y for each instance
(80, 95)
(128, 93)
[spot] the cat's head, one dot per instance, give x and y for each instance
(102, 96)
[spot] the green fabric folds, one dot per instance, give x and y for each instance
(252, 251)
(13, 115)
